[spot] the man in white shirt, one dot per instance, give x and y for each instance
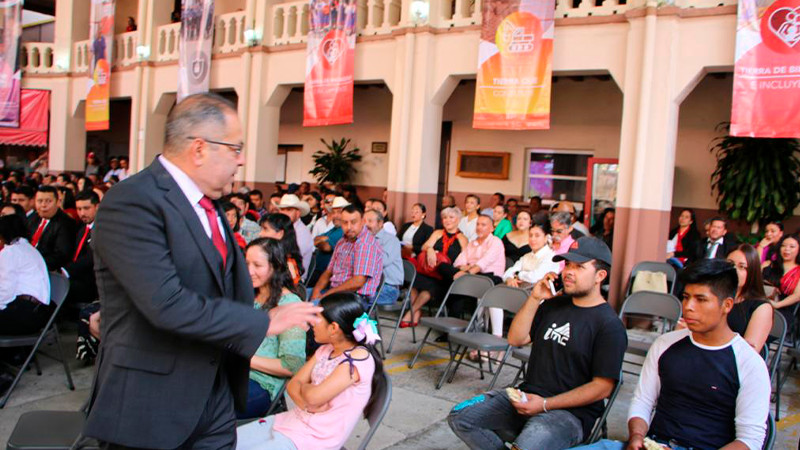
(722, 400)
(294, 209)
(470, 220)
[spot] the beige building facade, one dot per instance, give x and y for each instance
(644, 83)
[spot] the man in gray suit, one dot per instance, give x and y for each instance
(178, 326)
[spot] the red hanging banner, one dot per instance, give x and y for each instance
(328, 95)
(101, 35)
(515, 65)
(197, 33)
(766, 82)
(10, 72)
(33, 120)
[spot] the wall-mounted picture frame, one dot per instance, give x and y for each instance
(487, 165)
(380, 147)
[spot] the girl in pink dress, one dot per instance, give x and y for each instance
(332, 390)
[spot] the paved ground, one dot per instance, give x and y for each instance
(415, 419)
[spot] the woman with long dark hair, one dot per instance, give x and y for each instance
(278, 357)
(279, 226)
(784, 274)
(338, 385)
(751, 315)
(683, 239)
(768, 247)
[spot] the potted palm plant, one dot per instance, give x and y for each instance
(335, 164)
(756, 179)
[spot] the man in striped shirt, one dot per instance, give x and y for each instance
(357, 261)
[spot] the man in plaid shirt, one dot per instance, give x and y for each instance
(357, 261)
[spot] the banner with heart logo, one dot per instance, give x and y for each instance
(197, 37)
(10, 72)
(766, 81)
(101, 40)
(515, 65)
(328, 94)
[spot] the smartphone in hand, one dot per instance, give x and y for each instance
(556, 285)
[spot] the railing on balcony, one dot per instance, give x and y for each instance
(125, 49)
(37, 57)
(288, 23)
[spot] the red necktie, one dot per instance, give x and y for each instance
(38, 234)
(216, 235)
(80, 246)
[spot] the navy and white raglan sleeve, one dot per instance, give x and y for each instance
(752, 402)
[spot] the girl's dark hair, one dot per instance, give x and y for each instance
(421, 207)
(773, 250)
(69, 198)
(281, 277)
(344, 308)
(12, 228)
(17, 209)
(777, 223)
(87, 183)
(776, 267)
(544, 226)
(281, 222)
(691, 213)
(228, 206)
(754, 283)
(528, 213)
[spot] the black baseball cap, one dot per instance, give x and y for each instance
(586, 249)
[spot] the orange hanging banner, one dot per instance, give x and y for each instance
(515, 65)
(102, 38)
(328, 95)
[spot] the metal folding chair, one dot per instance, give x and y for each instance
(654, 305)
(278, 403)
(600, 428)
(59, 286)
(402, 305)
(383, 398)
(769, 441)
(469, 285)
(372, 312)
(653, 266)
(501, 296)
(312, 266)
(778, 335)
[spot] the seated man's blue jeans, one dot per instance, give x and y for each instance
(607, 444)
(388, 294)
(258, 402)
(489, 420)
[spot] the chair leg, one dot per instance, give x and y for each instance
(397, 324)
(500, 366)
(781, 381)
(458, 364)
(519, 373)
(419, 349)
(447, 369)
(21, 370)
(70, 384)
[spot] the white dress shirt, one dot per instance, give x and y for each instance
(408, 236)
(321, 226)
(467, 227)
(22, 272)
(532, 267)
(390, 228)
(192, 193)
(304, 242)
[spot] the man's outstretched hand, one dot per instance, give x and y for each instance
(301, 314)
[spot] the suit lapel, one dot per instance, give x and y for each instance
(176, 197)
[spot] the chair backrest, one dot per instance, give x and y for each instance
(665, 306)
(778, 334)
(312, 266)
(501, 296)
(469, 285)
(653, 266)
(769, 440)
(509, 262)
(409, 274)
(59, 287)
(302, 291)
(600, 423)
(382, 399)
(374, 302)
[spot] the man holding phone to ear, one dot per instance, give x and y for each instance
(578, 344)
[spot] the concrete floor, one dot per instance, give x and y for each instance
(415, 419)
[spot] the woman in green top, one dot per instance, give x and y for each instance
(501, 223)
(278, 357)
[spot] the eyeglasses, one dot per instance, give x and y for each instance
(560, 230)
(237, 148)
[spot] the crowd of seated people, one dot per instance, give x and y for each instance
(47, 223)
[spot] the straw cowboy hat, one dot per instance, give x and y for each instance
(339, 202)
(292, 201)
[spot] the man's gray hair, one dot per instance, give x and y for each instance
(562, 217)
(193, 116)
(378, 214)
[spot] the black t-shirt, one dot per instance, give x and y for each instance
(572, 345)
(742, 312)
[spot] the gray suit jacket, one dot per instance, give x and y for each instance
(170, 317)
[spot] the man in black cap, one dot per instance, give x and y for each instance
(578, 344)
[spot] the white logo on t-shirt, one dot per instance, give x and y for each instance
(560, 334)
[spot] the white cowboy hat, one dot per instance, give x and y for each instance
(339, 202)
(292, 201)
